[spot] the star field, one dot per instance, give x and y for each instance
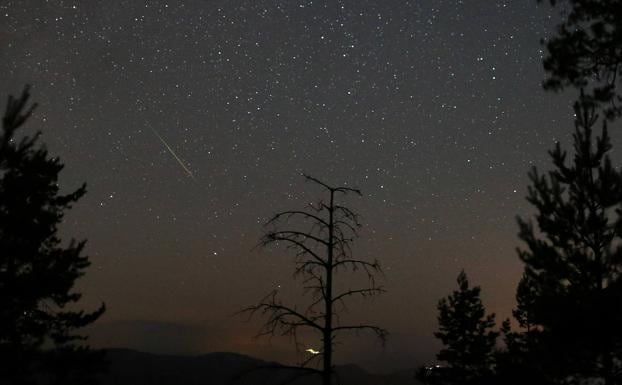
(433, 109)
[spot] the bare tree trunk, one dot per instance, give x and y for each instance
(326, 226)
(328, 324)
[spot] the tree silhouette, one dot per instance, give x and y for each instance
(522, 361)
(570, 297)
(320, 238)
(466, 333)
(38, 343)
(587, 50)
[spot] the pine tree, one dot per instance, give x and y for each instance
(570, 298)
(586, 50)
(38, 340)
(466, 333)
(522, 361)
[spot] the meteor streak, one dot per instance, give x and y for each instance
(181, 163)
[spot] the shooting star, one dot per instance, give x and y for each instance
(181, 163)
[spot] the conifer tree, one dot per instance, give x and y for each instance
(38, 320)
(586, 50)
(570, 297)
(467, 336)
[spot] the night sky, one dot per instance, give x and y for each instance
(191, 122)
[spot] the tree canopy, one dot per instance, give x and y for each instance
(38, 316)
(570, 297)
(467, 336)
(586, 50)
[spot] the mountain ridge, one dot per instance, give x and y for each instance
(133, 367)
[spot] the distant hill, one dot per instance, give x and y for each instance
(130, 367)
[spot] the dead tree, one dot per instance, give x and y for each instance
(320, 238)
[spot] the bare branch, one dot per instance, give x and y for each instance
(346, 190)
(368, 292)
(347, 213)
(356, 263)
(270, 238)
(343, 190)
(381, 333)
(280, 317)
(293, 213)
(315, 180)
(307, 267)
(292, 234)
(348, 225)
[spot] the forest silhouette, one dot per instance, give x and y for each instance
(565, 327)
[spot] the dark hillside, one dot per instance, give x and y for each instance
(129, 367)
